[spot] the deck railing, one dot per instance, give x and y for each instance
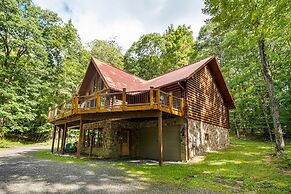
(119, 101)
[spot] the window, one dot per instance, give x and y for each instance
(98, 84)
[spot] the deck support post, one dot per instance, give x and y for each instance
(64, 138)
(160, 137)
(59, 138)
(54, 136)
(80, 140)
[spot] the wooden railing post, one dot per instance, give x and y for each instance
(123, 99)
(152, 97)
(158, 98)
(182, 105)
(73, 105)
(63, 107)
(56, 110)
(49, 113)
(171, 101)
(98, 102)
(76, 104)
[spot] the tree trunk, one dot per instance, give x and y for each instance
(261, 101)
(236, 126)
(273, 103)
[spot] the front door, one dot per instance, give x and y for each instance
(124, 142)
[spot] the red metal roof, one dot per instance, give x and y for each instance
(177, 75)
(117, 79)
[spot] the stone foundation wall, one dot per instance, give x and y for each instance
(108, 148)
(205, 137)
(111, 142)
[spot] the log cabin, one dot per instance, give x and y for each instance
(175, 116)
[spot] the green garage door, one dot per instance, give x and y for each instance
(148, 143)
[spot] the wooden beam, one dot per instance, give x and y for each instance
(160, 137)
(59, 138)
(49, 113)
(64, 138)
(123, 99)
(55, 110)
(80, 140)
(54, 136)
(98, 102)
(171, 102)
(158, 98)
(182, 105)
(73, 105)
(63, 108)
(151, 97)
(119, 115)
(68, 120)
(76, 104)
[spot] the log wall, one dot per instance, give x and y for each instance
(203, 100)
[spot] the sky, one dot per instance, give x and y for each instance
(126, 20)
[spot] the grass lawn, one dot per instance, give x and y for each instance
(246, 166)
(6, 144)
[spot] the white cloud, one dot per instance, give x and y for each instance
(126, 20)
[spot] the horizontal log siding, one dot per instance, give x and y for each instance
(203, 100)
(174, 88)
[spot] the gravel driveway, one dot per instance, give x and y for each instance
(21, 173)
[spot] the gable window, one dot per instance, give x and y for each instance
(98, 84)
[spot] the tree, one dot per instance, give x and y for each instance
(41, 63)
(260, 20)
(180, 48)
(154, 54)
(143, 58)
(107, 51)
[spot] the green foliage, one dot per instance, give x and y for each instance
(107, 51)
(232, 34)
(154, 54)
(143, 58)
(42, 61)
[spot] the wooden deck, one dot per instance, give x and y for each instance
(117, 102)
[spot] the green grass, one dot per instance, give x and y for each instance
(45, 154)
(6, 143)
(246, 166)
